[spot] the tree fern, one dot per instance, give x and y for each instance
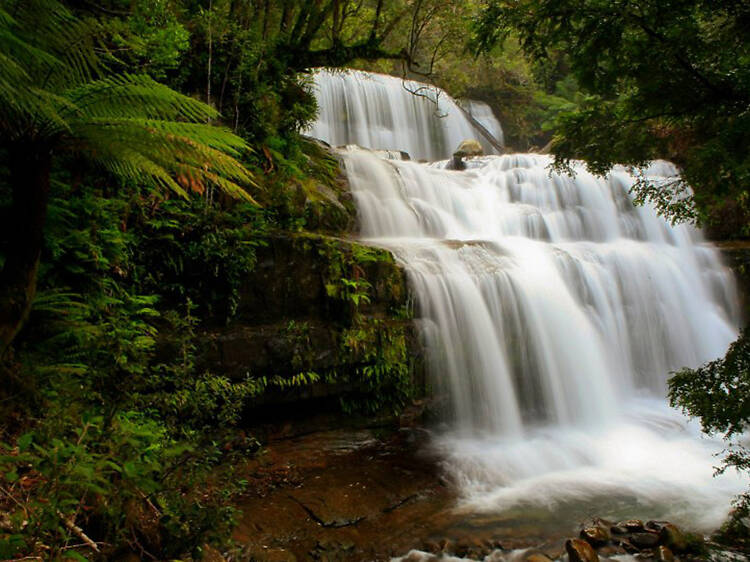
(57, 97)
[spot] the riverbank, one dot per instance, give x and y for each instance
(379, 492)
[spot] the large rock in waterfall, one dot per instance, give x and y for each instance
(467, 149)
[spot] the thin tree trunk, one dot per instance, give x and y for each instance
(30, 181)
(210, 52)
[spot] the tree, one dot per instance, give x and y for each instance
(719, 394)
(58, 100)
(668, 79)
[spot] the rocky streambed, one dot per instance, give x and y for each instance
(378, 493)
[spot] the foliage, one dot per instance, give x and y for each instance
(663, 80)
(125, 480)
(131, 125)
(60, 99)
(384, 374)
(717, 391)
(111, 350)
(200, 253)
(129, 200)
(718, 394)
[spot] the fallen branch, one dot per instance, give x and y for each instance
(70, 524)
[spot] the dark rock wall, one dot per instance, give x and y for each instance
(322, 317)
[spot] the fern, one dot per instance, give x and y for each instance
(55, 92)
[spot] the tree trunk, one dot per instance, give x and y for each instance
(30, 180)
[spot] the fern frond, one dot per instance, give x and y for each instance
(136, 96)
(175, 155)
(136, 128)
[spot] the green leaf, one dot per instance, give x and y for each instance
(25, 440)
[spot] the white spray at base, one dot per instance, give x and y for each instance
(553, 312)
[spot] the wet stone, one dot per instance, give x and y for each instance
(446, 545)
(644, 540)
(595, 536)
(611, 550)
(664, 554)
(673, 538)
(656, 525)
(537, 557)
(580, 551)
(631, 525)
(618, 530)
(628, 546)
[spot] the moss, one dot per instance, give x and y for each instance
(379, 352)
(326, 317)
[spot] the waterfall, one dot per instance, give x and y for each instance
(384, 112)
(484, 115)
(553, 311)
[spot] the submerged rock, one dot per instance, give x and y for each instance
(580, 551)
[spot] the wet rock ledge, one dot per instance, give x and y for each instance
(321, 317)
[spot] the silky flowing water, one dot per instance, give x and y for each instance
(388, 113)
(553, 311)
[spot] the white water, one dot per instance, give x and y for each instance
(554, 311)
(382, 112)
(483, 113)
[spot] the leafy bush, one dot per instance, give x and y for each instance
(85, 480)
(718, 393)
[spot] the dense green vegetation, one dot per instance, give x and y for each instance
(668, 79)
(151, 151)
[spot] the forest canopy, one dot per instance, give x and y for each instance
(664, 79)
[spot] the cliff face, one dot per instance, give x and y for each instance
(321, 317)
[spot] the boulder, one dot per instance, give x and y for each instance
(655, 525)
(671, 537)
(595, 536)
(644, 540)
(580, 551)
(469, 148)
